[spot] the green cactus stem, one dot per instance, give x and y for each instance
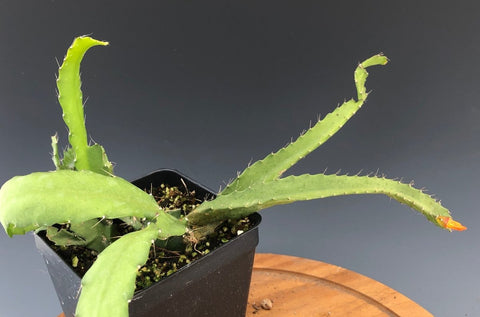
(70, 96)
(68, 160)
(93, 234)
(306, 187)
(112, 276)
(275, 164)
(65, 196)
(55, 156)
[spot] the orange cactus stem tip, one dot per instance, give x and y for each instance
(450, 224)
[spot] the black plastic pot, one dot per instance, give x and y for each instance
(217, 284)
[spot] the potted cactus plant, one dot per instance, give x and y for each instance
(83, 203)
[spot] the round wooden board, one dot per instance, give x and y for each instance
(302, 287)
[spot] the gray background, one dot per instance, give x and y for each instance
(208, 86)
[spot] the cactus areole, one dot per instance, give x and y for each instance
(123, 223)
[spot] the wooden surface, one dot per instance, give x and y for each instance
(302, 287)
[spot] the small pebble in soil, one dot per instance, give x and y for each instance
(266, 304)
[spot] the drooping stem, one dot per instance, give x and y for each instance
(275, 164)
(307, 187)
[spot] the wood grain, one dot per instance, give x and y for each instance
(302, 287)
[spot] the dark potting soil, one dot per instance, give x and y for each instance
(166, 257)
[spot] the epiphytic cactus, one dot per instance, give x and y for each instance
(57, 201)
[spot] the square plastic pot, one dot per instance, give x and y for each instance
(217, 284)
